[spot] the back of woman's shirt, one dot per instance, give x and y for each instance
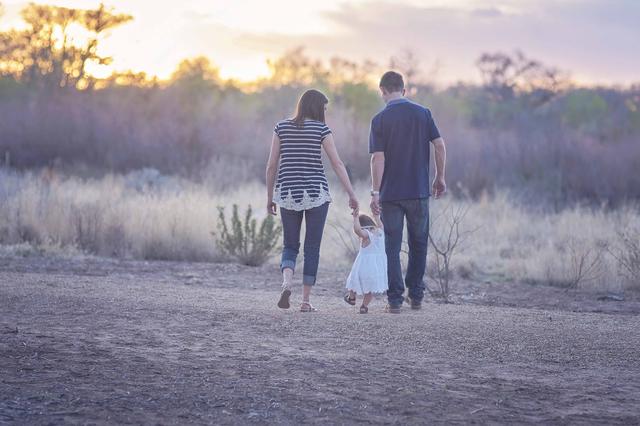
(301, 182)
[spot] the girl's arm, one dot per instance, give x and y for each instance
(357, 229)
(376, 217)
(272, 168)
(338, 166)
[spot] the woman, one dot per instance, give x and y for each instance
(301, 189)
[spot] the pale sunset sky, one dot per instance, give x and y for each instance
(596, 41)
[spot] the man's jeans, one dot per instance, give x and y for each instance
(417, 214)
(314, 226)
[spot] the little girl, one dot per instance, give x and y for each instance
(369, 272)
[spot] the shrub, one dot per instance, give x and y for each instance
(241, 242)
(446, 238)
(627, 254)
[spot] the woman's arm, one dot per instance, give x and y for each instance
(338, 166)
(272, 168)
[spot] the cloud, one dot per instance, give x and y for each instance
(594, 40)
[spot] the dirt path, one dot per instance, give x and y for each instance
(107, 342)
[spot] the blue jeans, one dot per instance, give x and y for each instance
(417, 214)
(314, 226)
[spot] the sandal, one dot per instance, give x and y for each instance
(283, 303)
(307, 307)
(349, 300)
(364, 309)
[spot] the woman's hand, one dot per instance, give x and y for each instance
(353, 204)
(271, 207)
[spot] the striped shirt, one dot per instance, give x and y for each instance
(301, 183)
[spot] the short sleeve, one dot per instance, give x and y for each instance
(326, 131)
(276, 129)
(432, 130)
(376, 140)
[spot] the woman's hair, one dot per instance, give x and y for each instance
(366, 221)
(311, 105)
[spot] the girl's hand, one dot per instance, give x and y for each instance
(353, 204)
(271, 207)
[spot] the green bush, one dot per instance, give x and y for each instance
(242, 242)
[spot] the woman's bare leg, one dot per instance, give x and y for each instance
(306, 291)
(287, 277)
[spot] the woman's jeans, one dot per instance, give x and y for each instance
(314, 227)
(417, 214)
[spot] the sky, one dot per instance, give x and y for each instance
(595, 41)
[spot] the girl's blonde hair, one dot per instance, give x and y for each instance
(366, 221)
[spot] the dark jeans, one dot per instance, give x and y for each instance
(314, 226)
(417, 214)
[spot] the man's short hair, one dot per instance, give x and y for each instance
(392, 81)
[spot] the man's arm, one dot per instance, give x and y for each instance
(439, 185)
(377, 170)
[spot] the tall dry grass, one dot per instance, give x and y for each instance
(145, 215)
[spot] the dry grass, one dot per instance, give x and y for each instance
(147, 216)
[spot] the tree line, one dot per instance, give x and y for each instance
(526, 127)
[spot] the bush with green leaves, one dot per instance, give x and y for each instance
(242, 241)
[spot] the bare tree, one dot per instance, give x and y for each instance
(46, 52)
(295, 67)
(346, 239)
(446, 243)
(505, 75)
(585, 262)
(627, 254)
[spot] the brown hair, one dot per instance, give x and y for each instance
(366, 221)
(392, 81)
(311, 105)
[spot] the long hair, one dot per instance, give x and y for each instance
(310, 106)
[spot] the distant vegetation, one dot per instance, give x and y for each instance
(525, 128)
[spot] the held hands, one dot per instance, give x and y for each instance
(439, 187)
(353, 204)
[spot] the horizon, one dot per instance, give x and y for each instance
(240, 45)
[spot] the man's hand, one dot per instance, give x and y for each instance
(271, 207)
(375, 204)
(439, 187)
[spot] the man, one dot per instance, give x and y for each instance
(399, 147)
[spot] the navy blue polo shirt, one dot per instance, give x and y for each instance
(403, 130)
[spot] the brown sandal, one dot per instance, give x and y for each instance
(349, 300)
(364, 309)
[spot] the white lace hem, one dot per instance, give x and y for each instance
(305, 203)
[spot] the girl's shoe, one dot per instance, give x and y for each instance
(364, 309)
(283, 303)
(307, 307)
(349, 300)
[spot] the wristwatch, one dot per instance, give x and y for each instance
(374, 192)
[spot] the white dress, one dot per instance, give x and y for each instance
(369, 270)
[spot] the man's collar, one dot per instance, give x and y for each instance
(397, 101)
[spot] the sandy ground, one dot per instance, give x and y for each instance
(94, 341)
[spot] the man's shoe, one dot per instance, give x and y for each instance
(415, 305)
(392, 309)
